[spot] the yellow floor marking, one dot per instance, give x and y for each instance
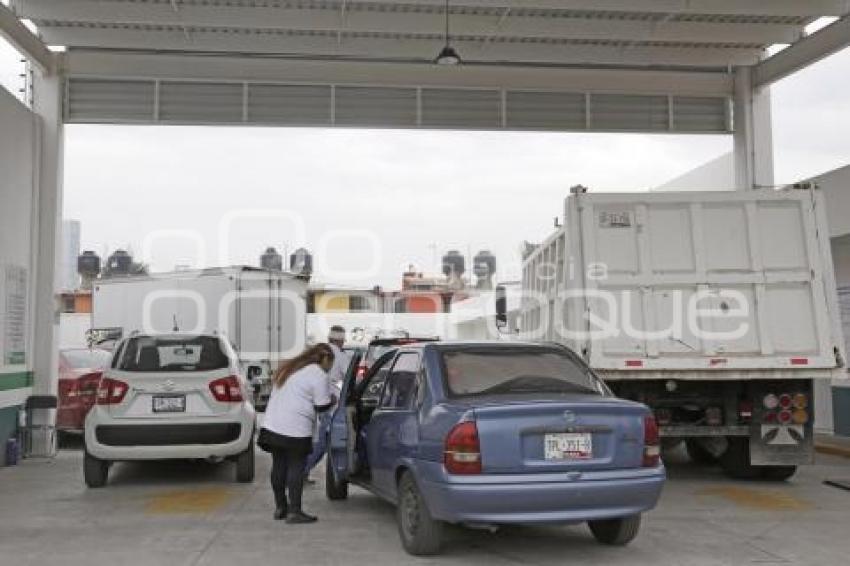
(762, 499)
(204, 500)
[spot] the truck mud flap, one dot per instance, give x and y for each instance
(773, 441)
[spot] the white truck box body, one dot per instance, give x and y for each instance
(263, 313)
(766, 249)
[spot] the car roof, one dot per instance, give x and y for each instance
(458, 344)
(402, 341)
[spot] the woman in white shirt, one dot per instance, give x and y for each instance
(301, 390)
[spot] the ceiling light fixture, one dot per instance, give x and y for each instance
(448, 56)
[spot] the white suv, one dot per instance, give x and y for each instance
(170, 396)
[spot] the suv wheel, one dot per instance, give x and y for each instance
(95, 471)
(245, 465)
(616, 532)
(420, 534)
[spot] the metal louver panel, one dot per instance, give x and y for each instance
(461, 109)
(620, 112)
(545, 110)
(175, 102)
(95, 100)
(700, 114)
(301, 105)
(200, 102)
(375, 106)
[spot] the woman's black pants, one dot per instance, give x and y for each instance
(288, 477)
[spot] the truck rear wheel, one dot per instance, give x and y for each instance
(778, 473)
(736, 460)
(698, 453)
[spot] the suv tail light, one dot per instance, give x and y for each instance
(111, 391)
(462, 453)
(86, 385)
(651, 443)
(226, 389)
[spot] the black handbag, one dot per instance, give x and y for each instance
(264, 440)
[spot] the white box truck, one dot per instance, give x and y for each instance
(262, 312)
(718, 310)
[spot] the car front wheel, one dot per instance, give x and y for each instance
(95, 471)
(420, 534)
(616, 532)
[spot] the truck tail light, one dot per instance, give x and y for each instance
(651, 443)
(462, 453)
(785, 401)
(663, 416)
(801, 401)
(111, 391)
(745, 410)
(770, 401)
(226, 389)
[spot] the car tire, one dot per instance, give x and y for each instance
(334, 490)
(698, 454)
(615, 532)
(95, 471)
(778, 473)
(736, 460)
(420, 534)
(245, 465)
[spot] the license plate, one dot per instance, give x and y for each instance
(568, 446)
(169, 404)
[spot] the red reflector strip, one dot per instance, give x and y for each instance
(634, 363)
(717, 361)
(799, 361)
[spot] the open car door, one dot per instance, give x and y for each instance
(341, 445)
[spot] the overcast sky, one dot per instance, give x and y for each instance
(420, 193)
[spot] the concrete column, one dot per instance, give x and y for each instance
(47, 105)
(753, 138)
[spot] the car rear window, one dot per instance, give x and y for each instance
(152, 354)
(497, 371)
(87, 359)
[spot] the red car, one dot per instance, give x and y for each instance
(79, 375)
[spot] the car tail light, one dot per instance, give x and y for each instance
(86, 385)
(226, 389)
(111, 391)
(651, 443)
(463, 450)
(361, 372)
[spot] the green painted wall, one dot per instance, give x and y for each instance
(8, 429)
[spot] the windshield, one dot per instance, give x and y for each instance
(87, 359)
(150, 354)
(495, 371)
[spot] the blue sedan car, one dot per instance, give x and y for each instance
(487, 434)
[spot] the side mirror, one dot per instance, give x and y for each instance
(501, 307)
(253, 372)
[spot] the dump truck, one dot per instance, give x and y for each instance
(719, 310)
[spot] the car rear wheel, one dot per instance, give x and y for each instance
(334, 490)
(616, 532)
(420, 534)
(95, 471)
(245, 465)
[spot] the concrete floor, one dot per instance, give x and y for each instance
(188, 514)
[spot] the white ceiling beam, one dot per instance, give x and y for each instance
(813, 8)
(265, 17)
(805, 52)
(111, 64)
(381, 48)
(26, 42)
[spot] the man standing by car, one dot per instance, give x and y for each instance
(336, 340)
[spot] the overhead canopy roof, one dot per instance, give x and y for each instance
(682, 51)
(696, 33)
